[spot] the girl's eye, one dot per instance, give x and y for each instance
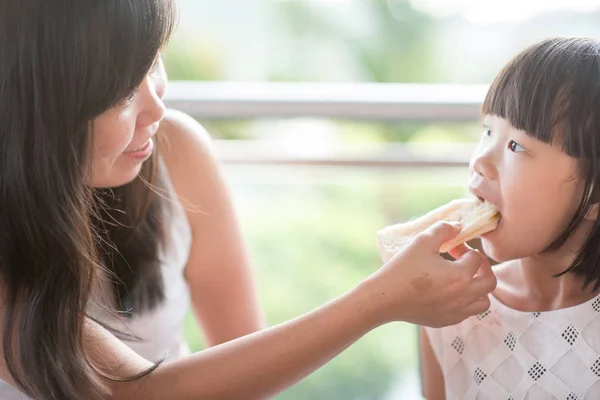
(515, 147)
(487, 131)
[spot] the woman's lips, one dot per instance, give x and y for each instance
(142, 152)
(142, 147)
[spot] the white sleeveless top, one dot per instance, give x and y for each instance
(512, 355)
(160, 331)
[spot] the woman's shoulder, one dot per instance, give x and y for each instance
(181, 134)
(187, 150)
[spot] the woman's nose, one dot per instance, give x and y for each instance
(153, 108)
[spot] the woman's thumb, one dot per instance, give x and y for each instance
(439, 233)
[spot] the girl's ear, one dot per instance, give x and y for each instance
(593, 213)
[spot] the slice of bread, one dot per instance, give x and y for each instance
(475, 216)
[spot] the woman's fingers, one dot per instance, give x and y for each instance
(479, 306)
(460, 251)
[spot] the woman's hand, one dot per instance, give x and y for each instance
(420, 286)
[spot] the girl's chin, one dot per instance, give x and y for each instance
(498, 251)
(492, 250)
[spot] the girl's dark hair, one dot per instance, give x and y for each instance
(551, 90)
(62, 63)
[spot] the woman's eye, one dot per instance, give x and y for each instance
(487, 131)
(155, 66)
(515, 147)
(130, 98)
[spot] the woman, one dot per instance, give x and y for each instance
(87, 250)
(156, 254)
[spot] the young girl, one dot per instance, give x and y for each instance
(84, 243)
(538, 161)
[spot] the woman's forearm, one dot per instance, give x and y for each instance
(264, 363)
(417, 286)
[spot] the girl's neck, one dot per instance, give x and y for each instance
(525, 285)
(548, 291)
(531, 284)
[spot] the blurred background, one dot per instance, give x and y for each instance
(335, 118)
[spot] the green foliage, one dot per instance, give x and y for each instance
(399, 49)
(189, 59)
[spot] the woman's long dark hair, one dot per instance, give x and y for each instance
(130, 224)
(62, 63)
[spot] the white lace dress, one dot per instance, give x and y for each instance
(506, 354)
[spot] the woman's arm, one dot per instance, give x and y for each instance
(256, 366)
(433, 379)
(417, 286)
(218, 270)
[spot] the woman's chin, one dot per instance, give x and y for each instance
(116, 178)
